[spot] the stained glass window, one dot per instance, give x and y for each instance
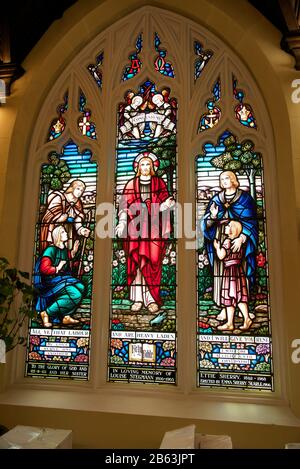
(135, 63)
(234, 333)
(243, 111)
(203, 57)
(58, 125)
(85, 125)
(212, 117)
(96, 69)
(143, 303)
(160, 63)
(59, 337)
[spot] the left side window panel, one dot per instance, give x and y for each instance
(59, 337)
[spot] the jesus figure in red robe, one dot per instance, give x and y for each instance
(144, 223)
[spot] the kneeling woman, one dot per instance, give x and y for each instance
(59, 292)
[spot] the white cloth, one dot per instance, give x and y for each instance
(139, 290)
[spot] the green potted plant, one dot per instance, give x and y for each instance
(16, 304)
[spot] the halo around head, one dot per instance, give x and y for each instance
(158, 99)
(146, 154)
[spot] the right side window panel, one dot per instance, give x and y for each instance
(234, 348)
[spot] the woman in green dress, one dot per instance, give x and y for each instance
(60, 292)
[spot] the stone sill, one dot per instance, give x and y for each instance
(195, 405)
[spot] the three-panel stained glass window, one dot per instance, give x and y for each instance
(232, 311)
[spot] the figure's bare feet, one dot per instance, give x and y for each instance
(45, 319)
(225, 327)
(222, 315)
(251, 315)
(137, 306)
(69, 320)
(153, 307)
(246, 325)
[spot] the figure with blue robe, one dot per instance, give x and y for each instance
(60, 293)
(231, 203)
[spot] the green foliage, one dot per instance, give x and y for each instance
(90, 241)
(116, 360)
(230, 141)
(165, 150)
(236, 153)
(246, 157)
(237, 156)
(16, 304)
(119, 274)
(234, 165)
(204, 280)
(88, 282)
(262, 331)
(261, 276)
(221, 160)
(169, 326)
(168, 275)
(55, 174)
(247, 145)
(241, 159)
(265, 367)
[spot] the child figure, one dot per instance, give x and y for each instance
(234, 291)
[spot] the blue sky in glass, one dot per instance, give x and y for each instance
(210, 151)
(80, 165)
(126, 153)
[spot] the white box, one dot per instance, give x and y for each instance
(187, 438)
(213, 441)
(179, 438)
(22, 437)
(292, 446)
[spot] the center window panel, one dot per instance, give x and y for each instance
(143, 282)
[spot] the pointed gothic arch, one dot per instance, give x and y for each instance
(189, 145)
(222, 62)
